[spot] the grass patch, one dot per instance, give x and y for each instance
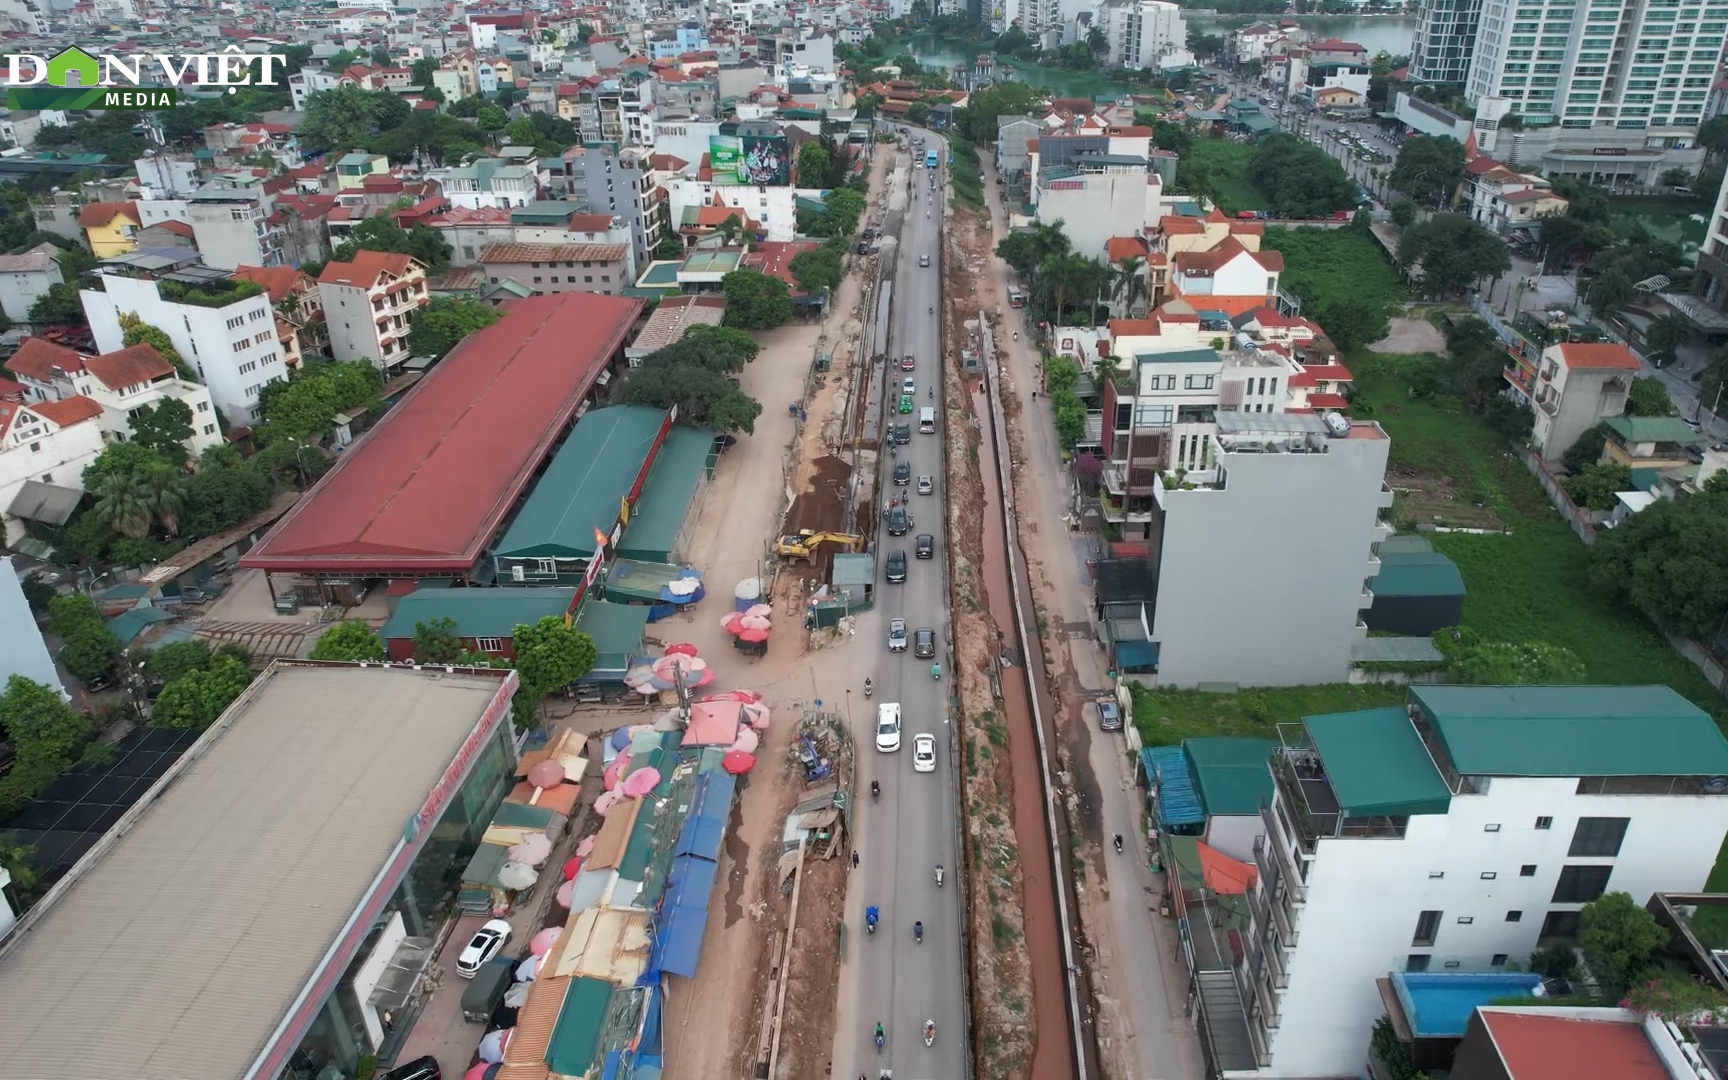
(1166, 717)
(964, 173)
(1226, 163)
(1002, 934)
(1332, 266)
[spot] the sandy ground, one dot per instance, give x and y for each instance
(712, 1021)
(1411, 336)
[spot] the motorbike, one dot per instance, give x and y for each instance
(918, 932)
(868, 689)
(1016, 335)
(1118, 843)
(938, 875)
(871, 917)
(929, 1033)
(930, 393)
(875, 789)
(881, 1038)
(936, 672)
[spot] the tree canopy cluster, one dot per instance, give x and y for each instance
(87, 646)
(1448, 253)
(352, 640)
(843, 209)
(199, 694)
(756, 301)
(1429, 169)
(1299, 179)
(695, 374)
(1667, 560)
(1058, 280)
(46, 734)
(305, 405)
(441, 325)
(382, 234)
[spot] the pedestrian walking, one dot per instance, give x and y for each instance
(854, 858)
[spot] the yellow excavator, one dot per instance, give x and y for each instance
(805, 543)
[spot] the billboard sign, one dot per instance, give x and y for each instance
(725, 156)
(766, 161)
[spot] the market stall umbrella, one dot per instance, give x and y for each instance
(737, 761)
(573, 866)
(620, 738)
(607, 800)
(641, 782)
(585, 848)
(747, 741)
(534, 849)
(493, 1044)
(703, 678)
(755, 622)
(683, 648)
(758, 610)
(517, 996)
(546, 774)
(565, 894)
(542, 943)
(749, 697)
(610, 777)
(754, 634)
(517, 876)
(757, 716)
(729, 621)
(479, 1071)
(529, 969)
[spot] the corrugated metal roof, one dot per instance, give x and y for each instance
(1178, 802)
(613, 835)
(187, 939)
(1232, 774)
(477, 612)
(1376, 763)
(667, 496)
(584, 485)
(1653, 429)
(576, 1040)
(1417, 574)
(1573, 731)
(617, 630)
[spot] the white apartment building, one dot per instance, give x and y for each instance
(1145, 34)
(368, 303)
(308, 81)
(1620, 65)
(1452, 834)
(121, 382)
(164, 177)
(488, 184)
(232, 227)
(49, 442)
(1103, 197)
(25, 279)
(225, 332)
(1572, 386)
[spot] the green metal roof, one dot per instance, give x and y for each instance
(581, 490)
(1377, 764)
(1417, 574)
(1652, 429)
(853, 569)
(546, 211)
(1643, 479)
(575, 1042)
(1573, 731)
(1180, 356)
(477, 612)
(129, 624)
(1257, 122)
(1232, 773)
(617, 630)
(666, 497)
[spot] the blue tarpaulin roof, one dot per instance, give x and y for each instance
(1137, 655)
(1167, 770)
(683, 918)
(648, 1040)
(710, 806)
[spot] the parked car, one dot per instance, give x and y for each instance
(924, 643)
(897, 635)
(487, 942)
(925, 546)
(896, 567)
(1109, 715)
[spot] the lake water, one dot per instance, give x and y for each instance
(1375, 33)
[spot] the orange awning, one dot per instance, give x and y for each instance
(1223, 874)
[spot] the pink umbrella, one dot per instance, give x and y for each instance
(641, 782)
(666, 665)
(754, 634)
(607, 800)
(737, 761)
(746, 696)
(478, 1072)
(757, 716)
(747, 741)
(755, 622)
(586, 847)
(683, 647)
(542, 943)
(565, 894)
(703, 678)
(759, 610)
(729, 621)
(615, 770)
(572, 867)
(534, 849)
(546, 774)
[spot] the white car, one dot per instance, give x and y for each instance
(888, 727)
(487, 942)
(923, 753)
(897, 627)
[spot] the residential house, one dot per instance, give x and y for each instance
(304, 221)
(1455, 834)
(232, 145)
(1502, 198)
(352, 169)
(1573, 387)
(1093, 189)
(48, 443)
(1524, 1042)
(485, 618)
(618, 183)
(110, 228)
(299, 311)
(1230, 277)
(1652, 442)
(557, 268)
(469, 232)
(168, 234)
(488, 182)
(222, 328)
(236, 226)
(122, 382)
(367, 305)
(24, 279)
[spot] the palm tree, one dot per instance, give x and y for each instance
(1130, 284)
(167, 488)
(1664, 336)
(1097, 278)
(124, 504)
(1098, 44)
(1051, 240)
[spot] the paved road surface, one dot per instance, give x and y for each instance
(902, 836)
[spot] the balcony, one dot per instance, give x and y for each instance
(1300, 777)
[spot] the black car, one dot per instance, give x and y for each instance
(421, 1068)
(924, 643)
(902, 473)
(896, 563)
(899, 521)
(924, 546)
(902, 433)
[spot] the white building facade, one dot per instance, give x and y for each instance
(368, 304)
(26, 278)
(49, 442)
(1452, 834)
(1144, 33)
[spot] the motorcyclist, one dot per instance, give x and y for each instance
(936, 672)
(938, 875)
(875, 788)
(869, 688)
(881, 1036)
(929, 1032)
(918, 930)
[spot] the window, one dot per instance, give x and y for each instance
(1466, 920)
(1427, 926)
(489, 644)
(35, 448)
(1498, 961)
(1417, 962)
(1560, 924)
(1581, 884)
(236, 321)
(209, 429)
(1436, 874)
(1197, 382)
(536, 279)
(240, 346)
(1489, 875)
(203, 406)
(1514, 916)
(588, 279)
(1491, 828)
(1544, 823)
(1598, 836)
(547, 566)
(1527, 870)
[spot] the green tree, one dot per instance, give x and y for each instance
(814, 166)
(1452, 252)
(1594, 488)
(166, 428)
(88, 647)
(436, 642)
(1299, 179)
(492, 118)
(176, 658)
(671, 246)
(19, 861)
(345, 117)
(1429, 168)
(422, 71)
(1508, 419)
(755, 301)
(1403, 212)
(1676, 997)
(135, 331)
(46, 736)
(437, 328)
(1128, 284)
(1587, 450)
(124, 505)
(306, 404)
(350, 640)
(1610, 292)
(59, 306)
(1619, 939)
(1649, 397)
(1667, 560)
(1352, 324)
(220, 498)
(1664, 336)
(196, 699)
(382, 234)
(1713, 135)
(549, 656)
(704, 397)
(1478, 359)
(818, 270)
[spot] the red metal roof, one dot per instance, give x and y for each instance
(424, 490)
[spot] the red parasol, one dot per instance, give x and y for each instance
(737, 761)
(753, 634)
(682, 648)
(729, 621)
(572, 867)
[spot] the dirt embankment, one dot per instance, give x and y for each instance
(1004, 1027)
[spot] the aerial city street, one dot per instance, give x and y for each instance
(1105, 541)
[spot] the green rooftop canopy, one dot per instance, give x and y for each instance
(478, 613)
(1653, 429)
(1573, 731)
(1232, 774)
(1417, 574)
(1377, 764)
(583, 487)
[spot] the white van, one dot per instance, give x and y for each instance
(927, 420)
(888, 727)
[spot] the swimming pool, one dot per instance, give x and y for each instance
(1439, 1005)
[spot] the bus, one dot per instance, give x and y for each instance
(930, 159)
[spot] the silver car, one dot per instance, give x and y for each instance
(896, 635)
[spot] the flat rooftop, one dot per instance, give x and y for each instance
(427, 488)
(181, 942)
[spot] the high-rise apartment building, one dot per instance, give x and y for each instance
(1445, 38)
